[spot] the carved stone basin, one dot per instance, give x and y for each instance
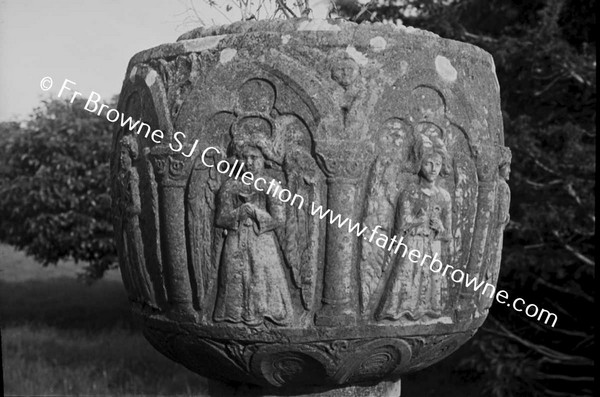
(246, 278)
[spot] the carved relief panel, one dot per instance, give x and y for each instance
(284, 192)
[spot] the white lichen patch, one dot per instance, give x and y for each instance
(413, 30)
(227, 55)
(151, 78)
(358, 56)
(445, 68)
(202, 44)
(403, 67)
(133, 73)
(378, 43)
(318, 25)
(285, 38)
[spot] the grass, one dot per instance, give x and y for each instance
(46, 360)
(62, 337)
(65, 304)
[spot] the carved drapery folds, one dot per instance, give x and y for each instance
(256, 281)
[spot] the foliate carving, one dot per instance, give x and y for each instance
(306, 364)
(337, 349)
(290, 282)
(171, 169)
(378, 358)
(339, 160)
(288, 368)
(429, 350)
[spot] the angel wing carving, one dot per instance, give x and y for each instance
(299, 238)
(382, 192)
(204, 239)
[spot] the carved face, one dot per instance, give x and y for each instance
(124, 158)
(253, 159)
(344, 72)
(431, 166)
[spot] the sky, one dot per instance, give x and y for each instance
(88, 42)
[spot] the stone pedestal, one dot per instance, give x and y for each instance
(382, 389)
(248, 135)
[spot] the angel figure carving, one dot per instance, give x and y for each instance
(135, 274)
(423, 218)
(252, 284)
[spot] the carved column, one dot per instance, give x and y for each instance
(343, 162)
(172, 171)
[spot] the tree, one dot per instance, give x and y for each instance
(54, 186)
(544, 52)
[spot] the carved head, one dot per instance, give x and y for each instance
(129, 151)
(431, 158)
(253, 159)
(344, 71)
(431, 165)
(255, 153)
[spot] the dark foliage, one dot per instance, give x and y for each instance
(544, 52)
(54, 181)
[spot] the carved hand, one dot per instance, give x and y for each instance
(248, 210)
(436, 224)
(421, 216)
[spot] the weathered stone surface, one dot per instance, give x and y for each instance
(391, 127)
